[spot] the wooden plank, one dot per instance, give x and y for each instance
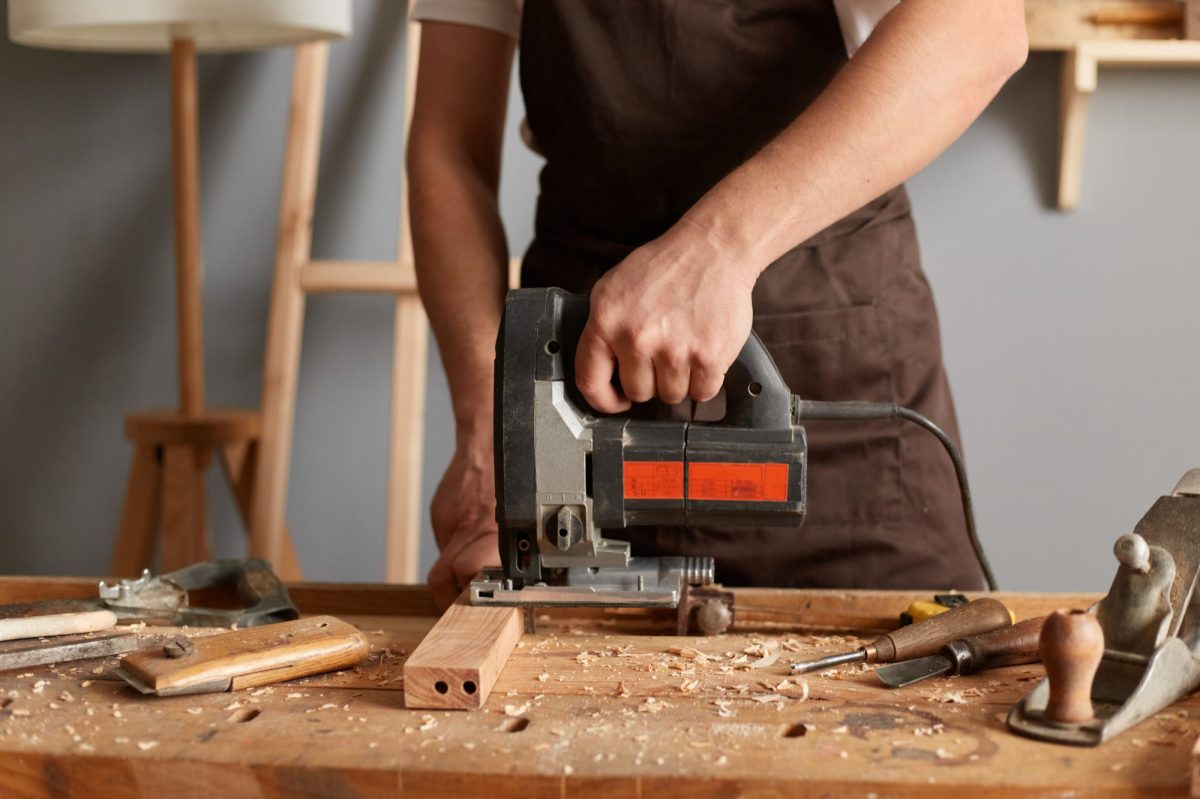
(457, 664)
(369, 277)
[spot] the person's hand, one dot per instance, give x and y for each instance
(672, 316)
(463, 514)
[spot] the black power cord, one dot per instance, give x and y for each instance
(834, 411)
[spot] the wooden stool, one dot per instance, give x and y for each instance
(165, 496)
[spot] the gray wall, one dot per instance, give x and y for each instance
(1070, 338)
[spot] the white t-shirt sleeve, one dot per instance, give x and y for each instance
(503, 16)
(859, 17)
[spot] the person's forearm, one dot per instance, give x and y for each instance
(918, 82)
(462, 267)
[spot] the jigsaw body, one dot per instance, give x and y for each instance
(565, 474)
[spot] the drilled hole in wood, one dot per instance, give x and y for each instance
(514, 725)
(242, 715)
(794, 731)
(5, 702)
(470, 687)
(441, 687)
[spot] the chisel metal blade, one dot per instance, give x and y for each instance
(898, 675)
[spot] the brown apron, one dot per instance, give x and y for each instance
(640, 106)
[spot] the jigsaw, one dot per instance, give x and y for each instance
(565, 473)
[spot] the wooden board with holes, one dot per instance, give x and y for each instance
(601, 705)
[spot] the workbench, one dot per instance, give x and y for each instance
(600, 704)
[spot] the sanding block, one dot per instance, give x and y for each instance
(246, 658)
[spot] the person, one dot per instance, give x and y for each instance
(712, 166)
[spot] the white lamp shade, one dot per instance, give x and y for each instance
(150, 25)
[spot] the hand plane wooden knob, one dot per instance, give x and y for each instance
(1071, 646)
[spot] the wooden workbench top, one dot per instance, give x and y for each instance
(603, 704)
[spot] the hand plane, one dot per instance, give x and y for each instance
(565, 473)
(1146, 630)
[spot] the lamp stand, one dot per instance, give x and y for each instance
(165, 493)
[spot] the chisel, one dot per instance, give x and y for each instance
(1008, 646)
(923, 638)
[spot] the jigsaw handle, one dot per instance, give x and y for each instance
(756, 395)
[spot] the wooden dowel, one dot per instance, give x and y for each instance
(185, 166)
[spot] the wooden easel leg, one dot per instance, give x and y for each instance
(286, 321)
(240, 463)
(184, 522)
(136, 532)
(409, 356)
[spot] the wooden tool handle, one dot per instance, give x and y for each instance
(929, 636)
(1072, 645)
(1008, 646)
(56, 624)
(245, 658)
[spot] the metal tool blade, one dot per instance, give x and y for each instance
(898, 675)
(63, 648)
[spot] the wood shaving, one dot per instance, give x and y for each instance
(688, 653)
(543, 676)
(516, 710)
(21, 712)
(769, 698)
(195, 711)
(652, 705)
(427, 723)
(146, 746)
(723, 709)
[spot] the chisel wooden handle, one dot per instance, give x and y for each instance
(1009, 646)
(56, 624)
(929, 636)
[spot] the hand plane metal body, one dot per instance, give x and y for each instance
(565, 474)
(1150, 620)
